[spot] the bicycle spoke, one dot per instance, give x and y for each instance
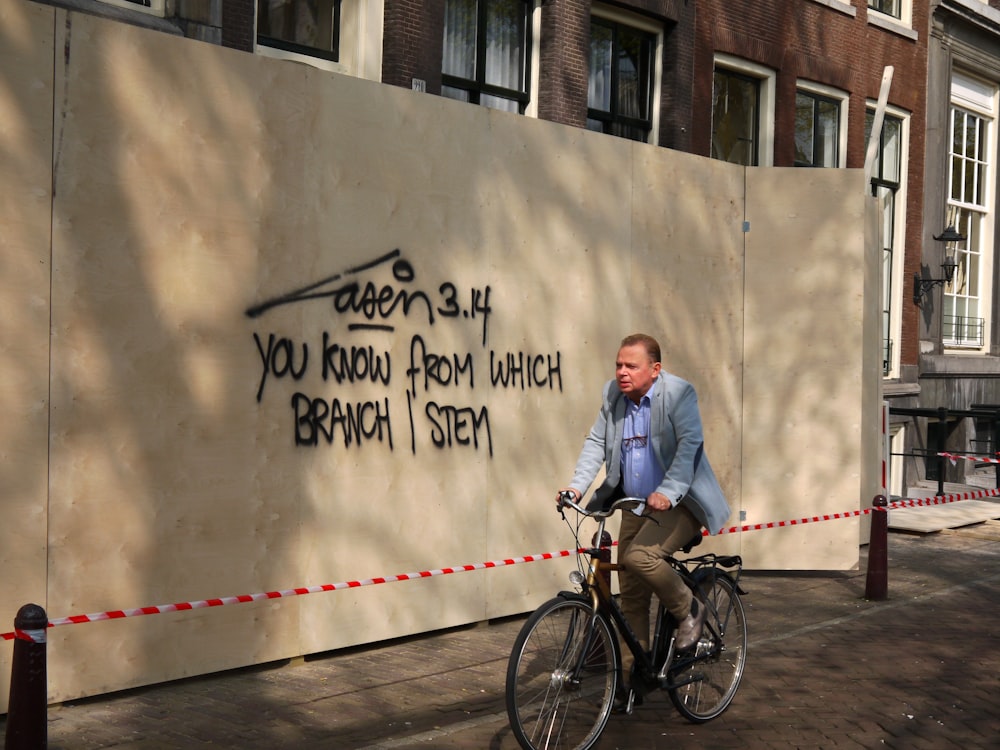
(561, 677)
(706, 686)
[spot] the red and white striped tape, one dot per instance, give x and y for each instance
(793, 522)
(246, 598)
(32, 636)
(940, 500)
(978, 459)
(118, 614)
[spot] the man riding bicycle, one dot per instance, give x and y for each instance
(648, 434)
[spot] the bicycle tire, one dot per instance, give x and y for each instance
(711, 682)
(548, 707)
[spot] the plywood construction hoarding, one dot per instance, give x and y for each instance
(276, 327)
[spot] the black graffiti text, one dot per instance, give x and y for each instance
(373, 305)
(368, 299)
(355, 363)
(279, 359)
(524, 370)
(453, 426)
(374, 296)
(479, 304)
(354, 422)
(437, 369)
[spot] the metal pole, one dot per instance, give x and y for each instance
(877, 582)
(996, 444)
(941, 444)
(27, 725)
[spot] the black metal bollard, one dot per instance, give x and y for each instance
(877, 582)
(27, 727)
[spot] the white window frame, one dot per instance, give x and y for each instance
(843, 99)
(840, 6)
(649, 26)
(768, 86)
(902, 25)
(905, 12)
(982, 99)
(534, 82)
(895, 468)
(897, 282)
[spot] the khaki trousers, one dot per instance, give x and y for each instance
(643, 545)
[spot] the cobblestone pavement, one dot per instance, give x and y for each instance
(826, 669)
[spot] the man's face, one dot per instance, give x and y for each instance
(634, 371)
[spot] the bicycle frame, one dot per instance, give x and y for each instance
(597, 586)
(694, 571)
(564, 673)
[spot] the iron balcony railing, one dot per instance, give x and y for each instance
(960, 331)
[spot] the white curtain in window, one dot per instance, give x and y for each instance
(599, 84)
(459, 50)
(505, 26)
(496, 102)
(891, 149)
(828, 135)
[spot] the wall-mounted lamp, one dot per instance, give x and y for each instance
(921, 286)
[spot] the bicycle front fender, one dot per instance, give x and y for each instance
(573, 595)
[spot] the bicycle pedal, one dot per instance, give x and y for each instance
(664, 671)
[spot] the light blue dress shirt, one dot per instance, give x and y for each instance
(641, 472)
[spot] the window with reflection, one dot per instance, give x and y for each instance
(620, 80)
(817, 130)
(485, 53)
(967, 210)
(888, 7)
(735, 117)
(309, 27)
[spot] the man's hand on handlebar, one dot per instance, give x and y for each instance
(569, 492)
(656, 501)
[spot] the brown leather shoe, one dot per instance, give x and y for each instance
(689, 629)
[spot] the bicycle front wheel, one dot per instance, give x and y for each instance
(561, 677)
(708, 685)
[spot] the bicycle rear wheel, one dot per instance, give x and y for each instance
(561, 677)
(711, 681)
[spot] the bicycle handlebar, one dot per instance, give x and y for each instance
(638, 506)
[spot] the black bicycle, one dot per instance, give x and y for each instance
(565, 668)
